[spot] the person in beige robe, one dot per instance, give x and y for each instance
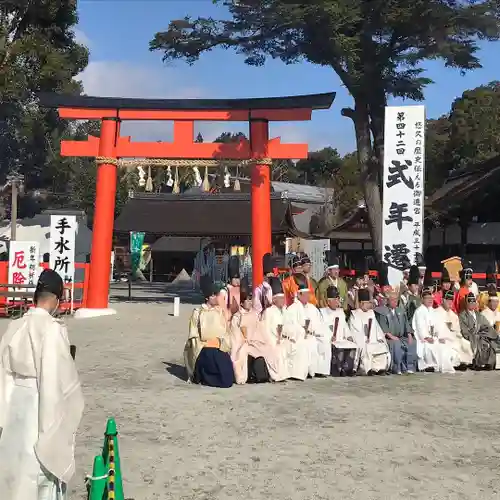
(41, 401)
(229, 296)
(445, 314)
(206, 352)
(252, 352)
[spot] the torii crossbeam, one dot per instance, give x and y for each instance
(110, 147)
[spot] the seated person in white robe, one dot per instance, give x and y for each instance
(41, 401)
(302, 324)
(458, 343)
(491, 311)
(272, 323)
(344, 349)
(434, 349)
(374, 356)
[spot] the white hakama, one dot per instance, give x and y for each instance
(427, 324)
(343, 351)
(271, 322)
(303, 347)
(41, 405)
(373, 354)
(453, 335)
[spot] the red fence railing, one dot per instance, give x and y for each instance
(65, 305)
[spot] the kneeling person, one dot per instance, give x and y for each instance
(394, 323)
(206, 353)
(481, 334)
(301, 325)
(272, 321)
(344, 349)
(374, 356)
(250, 350)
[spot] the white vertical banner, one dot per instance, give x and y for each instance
(404, 178)
(316, 249)
(112, 271)
(62, 248)
(24, 263)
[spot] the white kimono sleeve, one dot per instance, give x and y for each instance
(420, 324)
(293, 322)
(60, 402)
(376, 334)
(356, 327)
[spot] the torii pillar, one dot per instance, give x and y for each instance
(260, 197)
(109, 147)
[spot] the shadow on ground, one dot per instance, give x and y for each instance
(176, 370)
(145, 292)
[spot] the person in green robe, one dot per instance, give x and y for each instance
(306, 270)
(410, 300)
(332, 278)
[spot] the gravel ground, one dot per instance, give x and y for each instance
(420, 437)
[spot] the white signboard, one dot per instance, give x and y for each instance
(404, 177)
(62, 246)
(316, 249)
(24, 263)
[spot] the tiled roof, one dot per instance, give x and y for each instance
(303, 192)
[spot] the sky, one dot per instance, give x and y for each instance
(118, 32)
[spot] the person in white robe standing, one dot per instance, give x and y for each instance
(434, 350)
(302, 324)
(343, 350)
(374, 356)
(272, 323)
(41, 401)
(458, 343)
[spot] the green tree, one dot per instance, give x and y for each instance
(226, 137)
(438, 162)
(376, 47)
(326, 168)
(319, 169)
(475, 126)
(38, 53)
(468, 134)
(348, 191)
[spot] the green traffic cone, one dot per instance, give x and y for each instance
(114, 481)
(98, 480)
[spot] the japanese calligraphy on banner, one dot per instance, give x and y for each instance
(315, 249)
(62, 246)
(404, 175)
(24, 263)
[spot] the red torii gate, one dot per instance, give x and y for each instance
(110, 147)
